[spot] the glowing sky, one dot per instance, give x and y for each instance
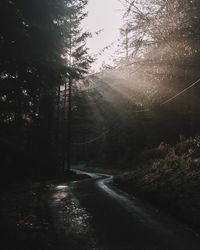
(106, 15)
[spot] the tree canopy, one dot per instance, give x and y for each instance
(41, 46)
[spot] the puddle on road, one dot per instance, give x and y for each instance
(72, 222)
(59, 196)
(61, 187)
(77, 217)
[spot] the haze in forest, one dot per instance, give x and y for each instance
(99, 86)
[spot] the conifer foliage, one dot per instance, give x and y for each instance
(41, 48)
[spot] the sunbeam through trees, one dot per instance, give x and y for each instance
(98, 98)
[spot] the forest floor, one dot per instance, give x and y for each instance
(24, 222)
(25, 218)
(169, 179)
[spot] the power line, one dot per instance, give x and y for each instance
(92, 140)
(181, 92)
(171, 98)
(139, 111)
(142, 111)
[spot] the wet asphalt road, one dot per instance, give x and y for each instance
(110, 219)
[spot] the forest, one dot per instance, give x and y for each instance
(149, 96)
(135, 120)
(42, 53)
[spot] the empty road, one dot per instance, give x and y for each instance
(93, 214)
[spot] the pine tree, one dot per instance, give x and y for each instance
(34, 38)
(78, 58)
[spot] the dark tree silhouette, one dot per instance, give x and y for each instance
(35, 40)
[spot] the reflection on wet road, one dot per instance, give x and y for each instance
(92, 214)
(71, 221)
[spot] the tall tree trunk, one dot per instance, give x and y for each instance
(64, 129)
(69, 114)
(126, 37)
(57, 129)
(69, 121)
(19, 112)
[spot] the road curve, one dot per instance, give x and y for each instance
(121, 222)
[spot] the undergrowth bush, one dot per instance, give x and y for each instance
(156, 153)
(169, 178)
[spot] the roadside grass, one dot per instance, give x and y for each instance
(169, 178)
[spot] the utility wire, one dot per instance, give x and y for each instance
(139, 111)
(181, 92)
(92, 140)
(173, 97)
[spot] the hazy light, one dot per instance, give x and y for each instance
(61, 187)
(105, 15)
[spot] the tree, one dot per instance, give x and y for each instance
(77, 57)
(34, 38)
